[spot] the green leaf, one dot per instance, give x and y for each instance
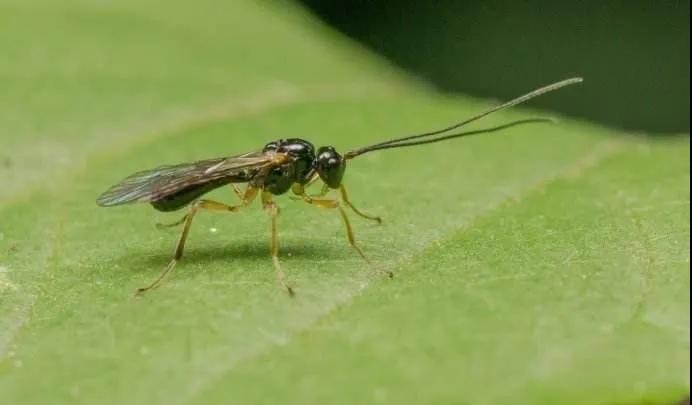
(548, 264)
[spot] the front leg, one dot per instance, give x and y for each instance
(300, 190)
(345, 199)
(334, 204)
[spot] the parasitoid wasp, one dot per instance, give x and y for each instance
(281, 166)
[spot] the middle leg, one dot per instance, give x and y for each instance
(273, 211)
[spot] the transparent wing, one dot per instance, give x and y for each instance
(152, 185)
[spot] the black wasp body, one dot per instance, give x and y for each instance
(303, 166)
(296, 172)
(281, 166)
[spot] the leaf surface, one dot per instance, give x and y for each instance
(545, 264)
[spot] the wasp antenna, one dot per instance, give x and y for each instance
(401, 142)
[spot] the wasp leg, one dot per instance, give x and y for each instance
(312, 180)
(301, 195)
(323, 191)
(320, 203)
(248, 197)
(300, 189)
(345, 199)
(237, 191)
(172, 224)
(273, 210)
(160, 225)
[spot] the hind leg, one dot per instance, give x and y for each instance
(210, 205)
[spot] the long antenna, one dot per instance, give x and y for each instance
(399, 142)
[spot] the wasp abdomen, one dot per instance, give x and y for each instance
(182, 198)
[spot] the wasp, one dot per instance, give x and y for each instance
(286, 165)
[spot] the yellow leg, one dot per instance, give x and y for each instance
(237, 191)
(248, 197)
(300, 190)
(324, 203)
(172, 224)
(312, 181)
(273, 211)
(323, 192)
(345, 199)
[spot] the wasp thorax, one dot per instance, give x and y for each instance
(330, 166)
(297, 170)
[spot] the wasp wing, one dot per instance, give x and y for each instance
(155, 184)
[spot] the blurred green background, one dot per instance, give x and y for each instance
(634, 53)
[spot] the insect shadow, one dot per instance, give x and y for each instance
(237, 255)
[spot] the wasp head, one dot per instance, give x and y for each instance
(330, 166)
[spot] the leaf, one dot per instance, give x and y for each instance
(546, 264)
